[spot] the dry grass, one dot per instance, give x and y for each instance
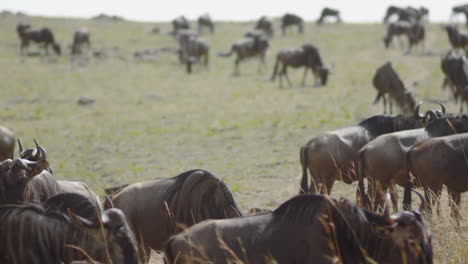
(153, 120)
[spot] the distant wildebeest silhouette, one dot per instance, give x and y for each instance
(42, 36)
(179, 23)
(386, 81)
(329, 12)
(266, 24)
(192, 49)
(254, 44)
(409, 14)
(80, 38)
(306, 56)
(457, 38)
(292, 20)
(461, 9)
(414, 31)
(455, 68)
(206, 21)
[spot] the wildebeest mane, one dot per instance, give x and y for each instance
(382, 124)
(301, 209)
(190, 198)
(77, 203)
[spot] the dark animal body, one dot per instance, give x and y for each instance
(80, 38)
(306, 56)
(384, 160)
(306, 229)
(455, 68)
(457, 38)
(30, 234)
(42, 36)
(160, 208)
(255, 44)
(414, 31)
(289, 20)
(329, 12)
(7, 143)
(409, 14)
(206, 21)
(265, 24)
(388, 84)
(192, 49)
(461, 9)
(436, 162)
(179, 23)
(333, 155)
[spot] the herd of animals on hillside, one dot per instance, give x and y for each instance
(45, 220)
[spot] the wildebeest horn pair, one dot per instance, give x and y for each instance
(40, 151)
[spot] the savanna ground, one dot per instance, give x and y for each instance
(151, 119)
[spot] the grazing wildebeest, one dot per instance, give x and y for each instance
(456, 38)
(414, 31)
(266, 24)
(37, 185)
(306, 229)
(42, 36)
(408, 14)
(455, 69)
(30, 234)
(290, 20)
(383, 161)
(253, 45)
(333, 155)
(306, 56)
(180, 23)
(436, 162)
(192, 49)
(388, 84)
(160, 208)
(329, 12)
(80, 38)
(206, 21)
(461, 9)
(7, 144)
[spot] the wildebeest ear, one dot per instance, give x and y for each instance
(382, 231)
(80, 221)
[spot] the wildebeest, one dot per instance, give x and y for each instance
(254, 45)
(456, 38)
(77, 203)
(192, 49)
(160, 208)
(80, 38)
(7, 144)
(389, 86)
(383, 161)
(179, 23)
(414, 31)
(42, 36)
(461, 9)
(306, 56)
(329, 12)
(30, 234)
(455, 68)
(436, 162)
(290, 20)
(266, 24)
(206, 21)
(333, 155)
(306, 229)
(408, 14)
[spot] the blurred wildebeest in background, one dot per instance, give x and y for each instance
(455, 68)
(160, 208)
(7, 144)
(179, 23)
(306, 56)
(461, 9)
(457, 38)
(254, 44)
(30, 234)
(266, 24)
(329, 12)
(388, 84)
(206, 21)
(192, 49)
(80, 38)
(42, 36)
(333, 155)
(414, 31)
(307, 229)
(409, 14)
(288, 20)
(437, 162)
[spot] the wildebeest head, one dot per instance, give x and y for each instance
(37, 154)
(448, 125)
(56, 48)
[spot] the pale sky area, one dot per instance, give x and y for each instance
(352, 10)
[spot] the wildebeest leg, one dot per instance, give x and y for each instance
(454, 202)
(322, 184)
(284, 72)
(261, 64)
(304, 77)
(236, 66)
(384, 98)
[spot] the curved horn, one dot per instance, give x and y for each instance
(43, 153)
(109, 202)
(20, 146)
(416, 110)
(442, 107)
(37, 156)
(387, 205)
(423, 200)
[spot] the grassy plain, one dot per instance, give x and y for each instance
(151, 119)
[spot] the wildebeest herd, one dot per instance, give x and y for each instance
(194, 218)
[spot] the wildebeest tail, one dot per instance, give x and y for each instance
(275, 70)
(304, 182)
(361, 195)
(408, 184)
